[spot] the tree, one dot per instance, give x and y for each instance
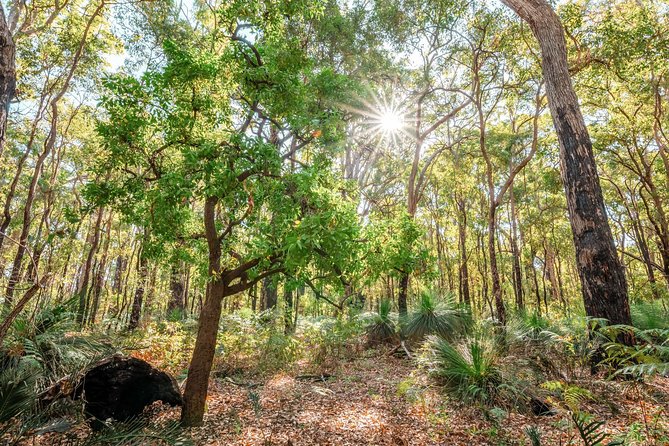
(219, 129)
(603, 281)
(7, 74)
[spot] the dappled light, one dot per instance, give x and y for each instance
(340, 222)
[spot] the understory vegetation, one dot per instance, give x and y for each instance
(283, 222)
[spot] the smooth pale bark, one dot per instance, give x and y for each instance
(463, 269)
(7, 75)
(602, 276)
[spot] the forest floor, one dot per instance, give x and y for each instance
(377, 399)
(373, 398)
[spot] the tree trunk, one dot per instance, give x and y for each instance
(83, 287)
(463, 272)
(99, 280)
(197, 384)
(136, 311)
(176, 302)
(7, 75)
(402, 295)
(602, 276)
(288, 312)
(516, 254)
(500, 310)
(269, 293)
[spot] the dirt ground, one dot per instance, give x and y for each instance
(378, 399)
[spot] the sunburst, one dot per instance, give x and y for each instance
(384, 118)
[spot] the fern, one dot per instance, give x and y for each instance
(589, 430)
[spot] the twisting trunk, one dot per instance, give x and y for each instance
(603, 281)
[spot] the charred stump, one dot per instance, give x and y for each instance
(118, 388)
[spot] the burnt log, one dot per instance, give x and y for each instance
(118, 388)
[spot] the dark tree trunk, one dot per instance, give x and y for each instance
(602, 276)
(402, 294)
(269, 293)
(176, 302)
(136, 310)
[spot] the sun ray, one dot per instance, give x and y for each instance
(384, 118)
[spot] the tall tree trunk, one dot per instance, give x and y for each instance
(516, 254)
(463, 272)
(270, 294)
(500, 310)
(82, 292)
(138, 300)
(7, 75)
(99, 280)
(197, 384)
(176, 302)
(603, 281)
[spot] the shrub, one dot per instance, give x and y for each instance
(469, 372)
(443, 319)
(381, 328)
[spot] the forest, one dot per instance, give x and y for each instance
(334, 222)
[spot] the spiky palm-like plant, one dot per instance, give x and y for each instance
(381, 328)
(469, 373)
(443, 319)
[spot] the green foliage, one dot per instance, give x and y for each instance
(396, 247)
(381, 328)
(432, 317)
(469, 372)
(17, 392)
(138, 432)
(331, 339)
(256, 342)
(571, 396)
(649, 355)
(589, 430)
(534, 434)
